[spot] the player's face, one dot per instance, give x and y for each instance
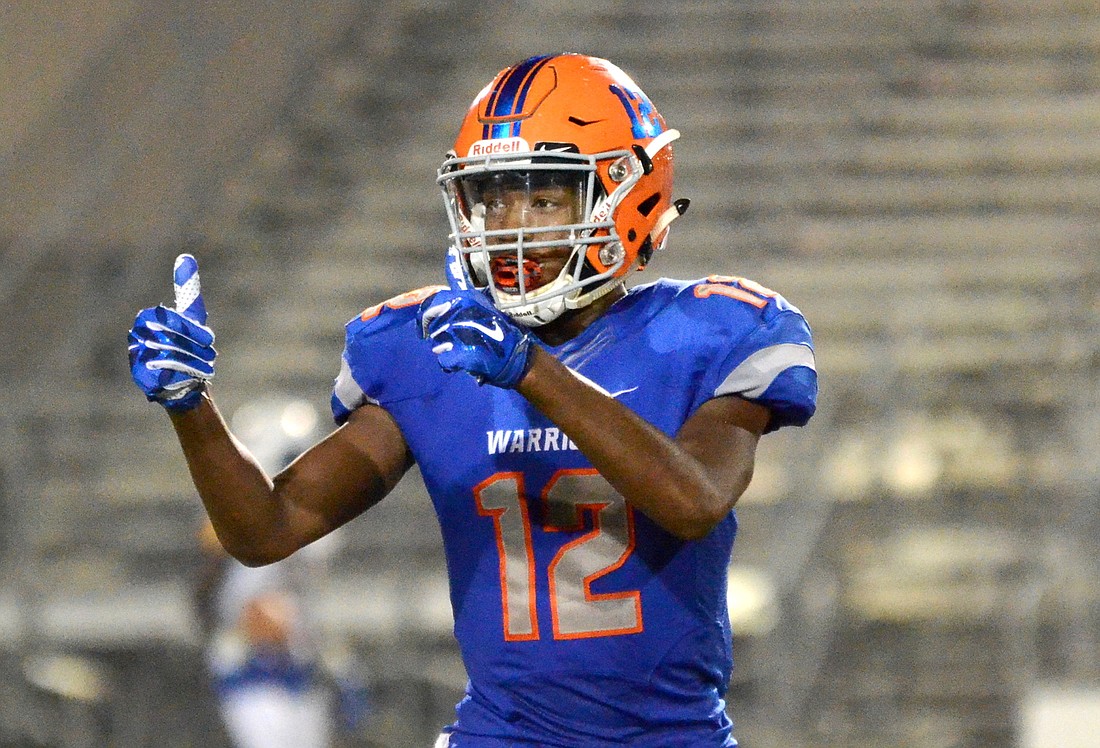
(530, 203)
(514, 206)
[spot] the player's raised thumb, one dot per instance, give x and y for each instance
(455, 268)
(185, 280)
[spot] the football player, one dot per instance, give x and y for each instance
(583, 442)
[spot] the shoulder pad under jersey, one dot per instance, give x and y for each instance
(384, 358)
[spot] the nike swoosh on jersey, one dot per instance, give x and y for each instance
(493, 332)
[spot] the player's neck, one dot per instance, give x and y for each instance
(575, 321)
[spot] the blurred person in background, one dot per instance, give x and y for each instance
(583, 442)
(265, 652)
(264, 665)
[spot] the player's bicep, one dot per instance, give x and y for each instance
(722, 436)
(344, 474)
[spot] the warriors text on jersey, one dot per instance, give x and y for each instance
(580, 621)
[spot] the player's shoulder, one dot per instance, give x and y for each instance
(384, 359)
(760, 345)
(384, 337)
(396, 312)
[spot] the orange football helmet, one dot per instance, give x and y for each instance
(578, 126)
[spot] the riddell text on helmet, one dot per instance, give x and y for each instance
(502, 145)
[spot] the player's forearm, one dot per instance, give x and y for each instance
(235, 490)
(650, 470)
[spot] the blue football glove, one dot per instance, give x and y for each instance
(171, 350)
(469, 334)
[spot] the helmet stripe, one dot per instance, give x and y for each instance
(521, 99)
(508, 97)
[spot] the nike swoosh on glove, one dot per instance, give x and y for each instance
(172, 350)
(469, 334)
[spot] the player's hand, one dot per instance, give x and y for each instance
(172, 350)
(469, 334)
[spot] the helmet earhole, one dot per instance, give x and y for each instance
(646, 206)
(632, 235)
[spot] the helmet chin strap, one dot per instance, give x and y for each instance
(538, 313)
(599, 292)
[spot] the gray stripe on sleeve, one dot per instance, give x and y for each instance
(756, 373)
(347, 391)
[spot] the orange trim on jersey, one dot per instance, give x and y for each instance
(502, 554)
(749, 292)
(711, 289)
(409, 298)
(757, 288)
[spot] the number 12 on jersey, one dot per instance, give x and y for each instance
(576, 611)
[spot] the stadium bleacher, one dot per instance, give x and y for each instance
(921, 178)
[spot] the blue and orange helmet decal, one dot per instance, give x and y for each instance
(505, 106)
(518, 91)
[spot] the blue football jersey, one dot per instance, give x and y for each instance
(580, 621)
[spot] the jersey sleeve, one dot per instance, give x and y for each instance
(770, 355)
(384, 359)
(347, 394)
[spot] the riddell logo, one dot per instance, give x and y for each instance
(502, 145)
